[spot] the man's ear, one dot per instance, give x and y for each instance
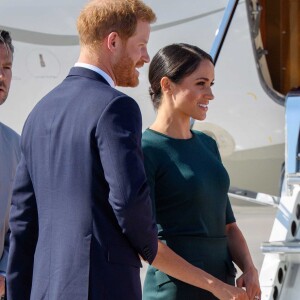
(113, 40)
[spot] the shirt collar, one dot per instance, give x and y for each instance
(97, 70)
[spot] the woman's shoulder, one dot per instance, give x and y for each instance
(154, 145)
(151, 138)
(204, 137)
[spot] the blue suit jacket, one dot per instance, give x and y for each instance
(81, 210)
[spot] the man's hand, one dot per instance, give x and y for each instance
(2, 286)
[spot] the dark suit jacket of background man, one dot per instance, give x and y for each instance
(81, 211)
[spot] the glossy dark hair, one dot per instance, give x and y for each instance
(6, 40)
(174, 61)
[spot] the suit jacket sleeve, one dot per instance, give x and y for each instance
(119, 141)
(4, 258)
(24, 230)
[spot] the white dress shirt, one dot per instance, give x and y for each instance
(97, 70)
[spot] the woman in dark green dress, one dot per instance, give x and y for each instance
(188, 182)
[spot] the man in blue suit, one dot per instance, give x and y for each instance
(9, 154)
(81, 213)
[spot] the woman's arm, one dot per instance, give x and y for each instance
(172, 264)
(242, 258)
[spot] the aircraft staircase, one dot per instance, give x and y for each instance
(280, 272)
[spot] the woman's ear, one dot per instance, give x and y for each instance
(165, 84)
(113, 41)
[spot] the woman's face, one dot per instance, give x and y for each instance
(192, 95)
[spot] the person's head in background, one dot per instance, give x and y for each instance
(6, 58)
(114, 35)
(181, 77)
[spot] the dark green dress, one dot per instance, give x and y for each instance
(189, 188)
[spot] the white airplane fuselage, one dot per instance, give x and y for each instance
(248, 125)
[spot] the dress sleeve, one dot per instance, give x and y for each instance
(150, 173)
(229, 212)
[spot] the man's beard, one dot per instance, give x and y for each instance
(125, 73)
(3, 97)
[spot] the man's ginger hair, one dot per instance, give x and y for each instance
(101, 17)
